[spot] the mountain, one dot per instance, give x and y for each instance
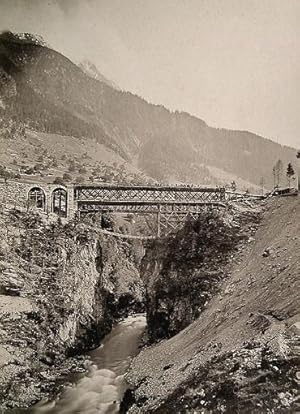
(91, 70)
(46, 92)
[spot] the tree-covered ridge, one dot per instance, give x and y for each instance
(49, 93)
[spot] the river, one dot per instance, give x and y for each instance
(101, 389)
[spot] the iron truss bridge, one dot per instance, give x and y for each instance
(170, 205)
(156, 194)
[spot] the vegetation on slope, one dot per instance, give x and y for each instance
(45, 91)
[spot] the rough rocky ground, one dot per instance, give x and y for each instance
(62, 285)
(242, 354)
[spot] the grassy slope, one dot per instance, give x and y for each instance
(27, 150)
(259, 302)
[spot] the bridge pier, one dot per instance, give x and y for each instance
(72, 203)
(158, 220)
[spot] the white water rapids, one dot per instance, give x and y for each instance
(101, 389)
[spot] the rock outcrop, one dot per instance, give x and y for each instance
(62, 286)
(183, 272)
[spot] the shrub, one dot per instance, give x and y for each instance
(82, 170)
(79, 179)
(71, 166)
(58, 180)
(67, 177)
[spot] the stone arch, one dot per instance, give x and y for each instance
(37, 198)
(60, 201)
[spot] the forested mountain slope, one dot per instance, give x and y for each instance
(48, 93)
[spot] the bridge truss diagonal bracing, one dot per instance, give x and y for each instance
(171, 205)
(149, 194)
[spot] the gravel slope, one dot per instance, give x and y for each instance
(242, 354)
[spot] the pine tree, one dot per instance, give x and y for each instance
(289, 173)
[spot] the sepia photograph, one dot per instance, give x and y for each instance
(149, 206)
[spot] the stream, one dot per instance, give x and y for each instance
(101, 389)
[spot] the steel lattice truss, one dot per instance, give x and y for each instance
(148, 194)
(170, 205)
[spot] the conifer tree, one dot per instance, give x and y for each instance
(289, 173)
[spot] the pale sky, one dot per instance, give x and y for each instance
(233, 63)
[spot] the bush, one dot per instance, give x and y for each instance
(29, 171)
(67, 177)
(71, 166)
(79, 179)
(38, 167)
(58, 180)
(82, 170)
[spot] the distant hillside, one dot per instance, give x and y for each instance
(45, 91)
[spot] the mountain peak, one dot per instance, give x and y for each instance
(29, 38)
(90, 69)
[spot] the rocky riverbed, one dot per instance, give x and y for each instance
(100, 389)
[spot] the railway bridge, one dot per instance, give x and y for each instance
(170, 205)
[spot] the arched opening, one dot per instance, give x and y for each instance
(59, 202)
(37, 198)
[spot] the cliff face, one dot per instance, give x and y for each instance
(62, 286)
(242, 353)
(182, 273)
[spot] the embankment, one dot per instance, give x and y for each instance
(62, 285)
(242, 353)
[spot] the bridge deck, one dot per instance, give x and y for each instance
(146, 206)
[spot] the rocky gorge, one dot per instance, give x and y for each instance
(184, 271)
(63, 285)
(221, 336)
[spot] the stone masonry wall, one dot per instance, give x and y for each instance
(15, 194)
